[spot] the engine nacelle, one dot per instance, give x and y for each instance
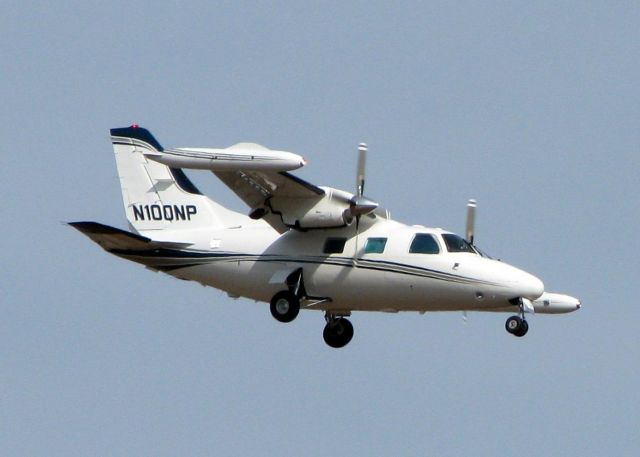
(320, 219)
(335, 208)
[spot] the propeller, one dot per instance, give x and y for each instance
(470, 233)
(362, 163)
(471, 221)
(360, 205)
(470, 236)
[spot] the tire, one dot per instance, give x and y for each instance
(285, 306)
(513, 325)
(339, 333)
(523, 329)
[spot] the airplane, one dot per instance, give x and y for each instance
(302, 246)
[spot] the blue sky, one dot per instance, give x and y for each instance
(531, 109)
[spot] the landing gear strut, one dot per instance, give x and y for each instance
(517, 325)
(338, 331)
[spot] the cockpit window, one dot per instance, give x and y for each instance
(456, 243)
(423, 243)
(481, 252)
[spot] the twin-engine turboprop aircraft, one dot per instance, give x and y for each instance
(302, 246)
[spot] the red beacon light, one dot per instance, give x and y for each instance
(134, 126)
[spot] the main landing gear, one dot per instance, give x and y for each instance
(517, 325)
(338, 331)
(285, 306)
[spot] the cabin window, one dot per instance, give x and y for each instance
(375, 245)
(334, 245)
(456, 243)
(423, 243)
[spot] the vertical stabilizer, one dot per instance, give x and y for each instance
(155, 196)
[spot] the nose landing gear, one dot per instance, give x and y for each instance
(517, 325)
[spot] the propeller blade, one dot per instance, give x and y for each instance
(360, 205)
(471, 220)
(362, 162)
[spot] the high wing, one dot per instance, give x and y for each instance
(285, 201)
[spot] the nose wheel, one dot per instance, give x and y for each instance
(517, 325)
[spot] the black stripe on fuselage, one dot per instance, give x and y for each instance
(173, 259)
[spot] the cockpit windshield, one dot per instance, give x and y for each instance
(456, 243)
(481, 252)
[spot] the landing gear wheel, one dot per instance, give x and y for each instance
(523, 331)
(338, 333)
(285, 306)
(513, 324)
(517, 326)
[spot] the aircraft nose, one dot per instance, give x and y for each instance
(529, 286)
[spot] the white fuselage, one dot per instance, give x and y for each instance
(253, 261)
(302, 246)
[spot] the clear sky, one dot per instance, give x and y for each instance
(531, 109)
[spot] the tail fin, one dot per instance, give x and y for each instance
(155, 196)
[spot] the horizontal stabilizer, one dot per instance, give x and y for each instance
(111, 238)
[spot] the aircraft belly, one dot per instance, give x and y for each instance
(349, 288)
(414, 293)
(219, 274)
(360, 289)
(262, 280)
